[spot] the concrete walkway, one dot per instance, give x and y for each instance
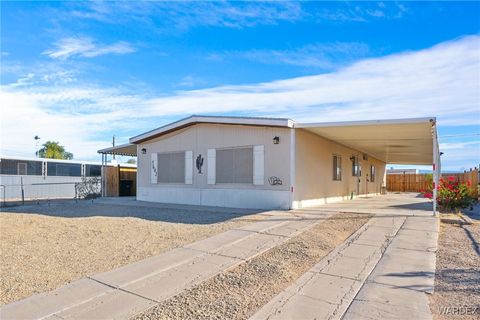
(383, 271)
(124, 292)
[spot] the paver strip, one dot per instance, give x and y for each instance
(381, 271)
(128, 290)
(398, 287)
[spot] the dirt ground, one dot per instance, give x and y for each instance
(44, 247)
(239, 292)
(457, 279)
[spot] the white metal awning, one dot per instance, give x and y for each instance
(400, 141)
(127, 149)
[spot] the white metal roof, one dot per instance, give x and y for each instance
(396, 141)
(127, 149)
(195, 119)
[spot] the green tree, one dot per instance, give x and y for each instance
(53, 150)
(132, 161)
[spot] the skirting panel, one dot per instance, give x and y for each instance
(230, 198)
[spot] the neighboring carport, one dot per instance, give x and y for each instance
(399, 141)
(127, 173)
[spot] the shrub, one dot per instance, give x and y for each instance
(451, 194)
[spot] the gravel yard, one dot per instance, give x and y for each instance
(457, 279)
(239, 292)
(45, 246)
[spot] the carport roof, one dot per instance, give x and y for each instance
(399, 141)
(127, 149)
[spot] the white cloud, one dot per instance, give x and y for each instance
(440, 81)
(459, 145)
(191, 81)
(186, 15)
(318, 55)
(183, 16)
(86, 47)
(351, 12)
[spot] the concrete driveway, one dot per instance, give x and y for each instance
(384, 270)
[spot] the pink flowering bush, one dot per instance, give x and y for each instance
(451, 194)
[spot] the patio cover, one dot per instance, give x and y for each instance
(401, 141)
(127, 149)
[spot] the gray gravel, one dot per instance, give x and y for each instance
(239, 292)
(457, 279)
(43, 247)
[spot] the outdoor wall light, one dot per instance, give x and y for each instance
(276, 140)
(144, 151)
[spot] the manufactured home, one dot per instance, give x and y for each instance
(267, 163)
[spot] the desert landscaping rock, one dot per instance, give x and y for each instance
(457, 278)
(237, 293)
(46, 246)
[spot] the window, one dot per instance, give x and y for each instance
(372, 173)
(337, 168)
(64, 169)
(92, 170)
(171, 167)
(234, 165)
(356, 169)
(26, 167)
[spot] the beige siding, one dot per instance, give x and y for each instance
(201, 137)
(314, 182)
(314, 170)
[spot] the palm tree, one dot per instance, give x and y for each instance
(53, 150)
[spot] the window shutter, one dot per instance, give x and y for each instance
(154, 168)
(188, 167)
(259, 165)
(211, 157)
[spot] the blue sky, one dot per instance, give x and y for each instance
(80, 72)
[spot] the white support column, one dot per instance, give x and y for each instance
(292, 167)
(436, 167)
(102, 178)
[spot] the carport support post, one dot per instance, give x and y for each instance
(103, 176)
(292, 167)
(436, 167)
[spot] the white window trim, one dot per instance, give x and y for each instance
(154, 168)
(259, 165)
(211, 165)
(188, 167)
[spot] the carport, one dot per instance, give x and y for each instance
(399, 141)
